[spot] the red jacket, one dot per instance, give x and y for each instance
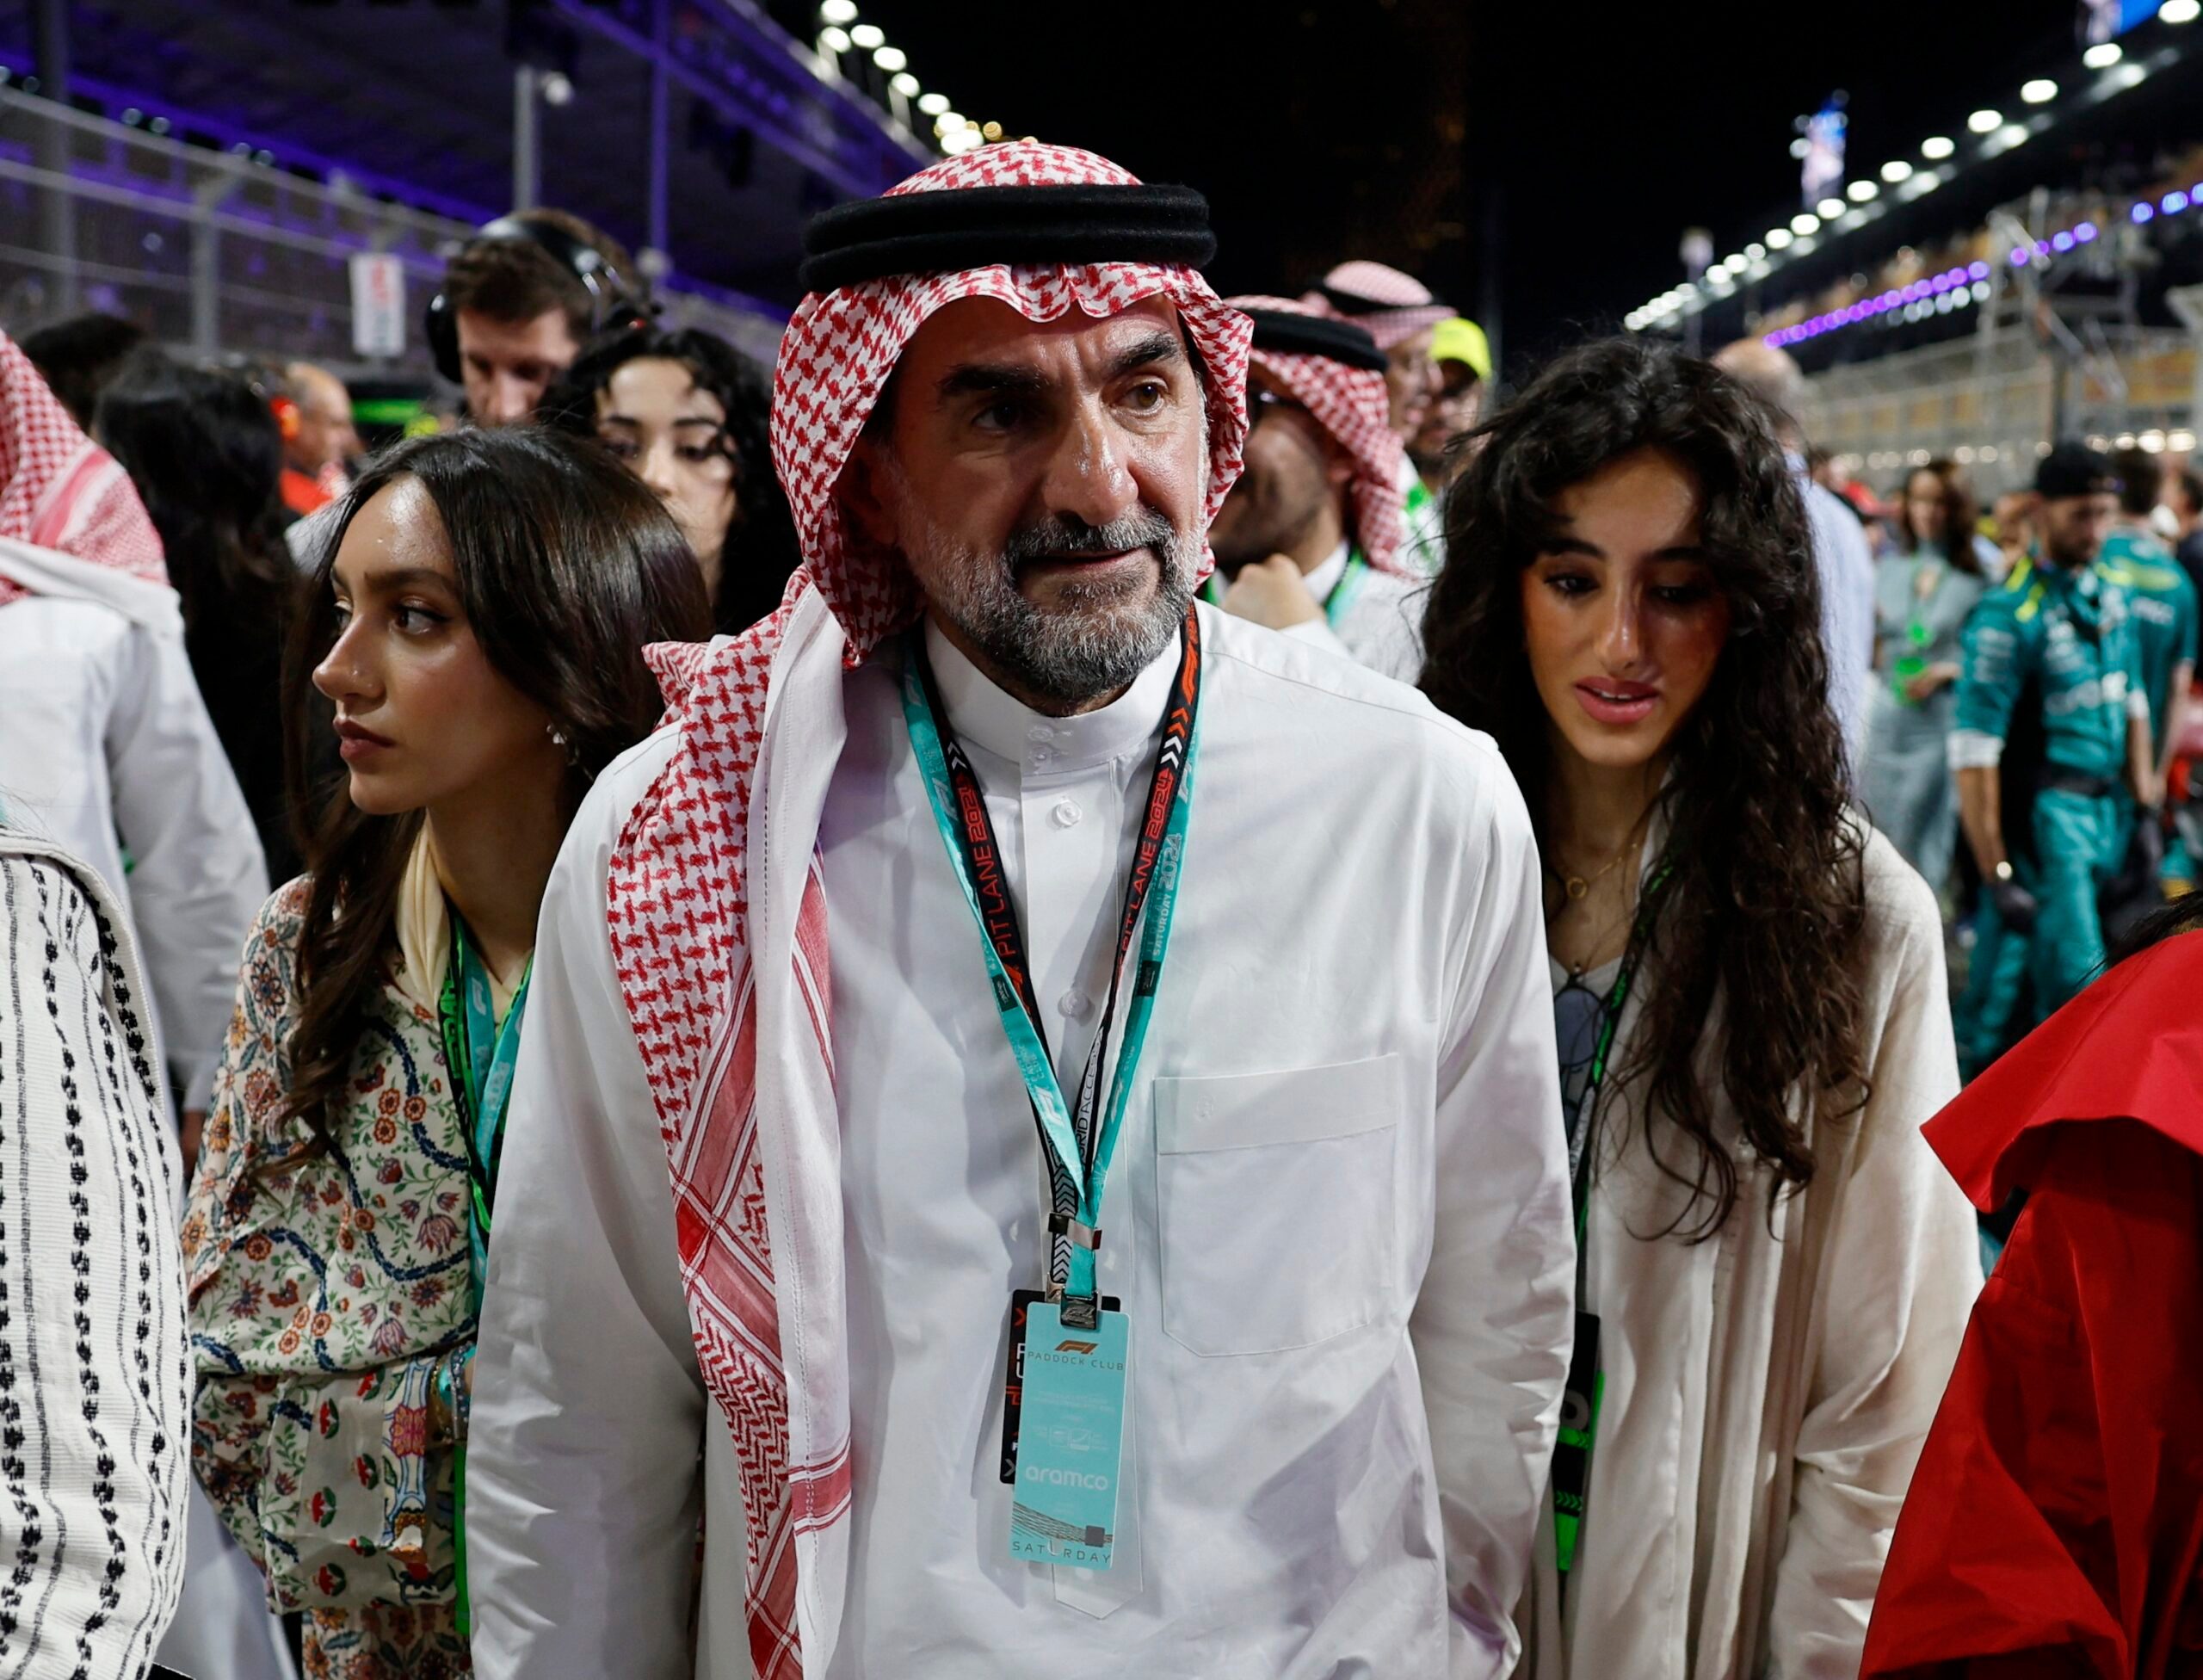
(2055, 1525)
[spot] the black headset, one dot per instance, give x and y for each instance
(612, 301)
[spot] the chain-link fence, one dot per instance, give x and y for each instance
(217, 252)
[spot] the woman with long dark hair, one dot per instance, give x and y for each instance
(206, 457)
(686, 412)
(1750, 994)
(477, 620)
(1923, 594)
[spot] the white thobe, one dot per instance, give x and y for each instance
(104, 742)
(1845, 566)
(1768, 1390)
(1338, 1217)
(1380, 627)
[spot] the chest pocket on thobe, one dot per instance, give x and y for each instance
(1276, 1204)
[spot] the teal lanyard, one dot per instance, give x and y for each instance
(1078, 1157)
(481, 1056)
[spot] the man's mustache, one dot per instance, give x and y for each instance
(1065, 538)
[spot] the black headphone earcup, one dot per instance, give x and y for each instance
(440, 324)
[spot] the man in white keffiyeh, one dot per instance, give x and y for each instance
(760, 1227)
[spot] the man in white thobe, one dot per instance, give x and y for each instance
(773, 1173)
(1311, 531)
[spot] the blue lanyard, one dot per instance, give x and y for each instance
(1078, 1157)
(1343, 592)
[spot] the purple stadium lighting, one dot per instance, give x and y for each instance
(2175, 202)
(2143, 212)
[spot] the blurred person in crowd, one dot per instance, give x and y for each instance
(1400, 313)
(1772, 1275)
(519, 301)
(2051, 717)
(78, 356)
(1463, 356)
(94, 1373)
(1923, 596)
(688, 413)
(1002, 487)
(2183, 499)
(2055, 1523)
(2163, 599)
(1307, 541)
(106, 748)
(2013, 530)
(1843, 562)
(314, 414)
(206, 455)
(107, 743)
(478, 620)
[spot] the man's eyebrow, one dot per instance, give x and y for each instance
(984, 379)
(1155, 349)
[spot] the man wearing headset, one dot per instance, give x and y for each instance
(519, 301)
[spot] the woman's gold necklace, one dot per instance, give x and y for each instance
(1579, 887)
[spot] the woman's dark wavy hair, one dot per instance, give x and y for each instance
(1764, 907)
(1958, 515)
(566, 566)
(761, 551)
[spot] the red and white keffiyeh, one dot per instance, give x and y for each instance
(59, 490)
(1399, 306)
(761, 1260)
(1351, 405)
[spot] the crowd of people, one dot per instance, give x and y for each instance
(1531, 826)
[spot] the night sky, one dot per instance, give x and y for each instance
(1327, 128)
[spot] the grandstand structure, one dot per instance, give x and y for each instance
(2024, 273)
(210, 171)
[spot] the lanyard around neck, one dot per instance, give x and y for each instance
(481, 1056)
(1580, 1130)
(1078, 1151)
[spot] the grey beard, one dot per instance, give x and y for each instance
(1097, 640)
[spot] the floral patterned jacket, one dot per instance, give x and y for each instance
(324, 1297)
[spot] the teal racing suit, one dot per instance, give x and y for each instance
(2162, 600)
(2053, 650)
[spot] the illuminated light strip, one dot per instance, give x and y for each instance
(2042, 250)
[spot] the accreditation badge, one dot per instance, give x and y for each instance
(1070, 1438)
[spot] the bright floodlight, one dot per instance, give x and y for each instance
(834, 40)
(1938, 146)
(2179, 11)
(868, 36)
(933, 104)
(1805, 222)
(889, 58)
(1861, 191)
(2040, 91)
(1985, 122)
(837, 11)
(906, 84)
(1830, 208)
(1779, 238)
(1755, 250)
(947, 123)
(1897, 171)
(2103, 55)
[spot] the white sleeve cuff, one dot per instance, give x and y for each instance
(2137, 705)
(1971, 750)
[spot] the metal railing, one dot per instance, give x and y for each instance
(215, 253)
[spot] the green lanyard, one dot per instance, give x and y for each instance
(1579, 1135)
(480, 1056)
(1334, 605)
(1078, 1159)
